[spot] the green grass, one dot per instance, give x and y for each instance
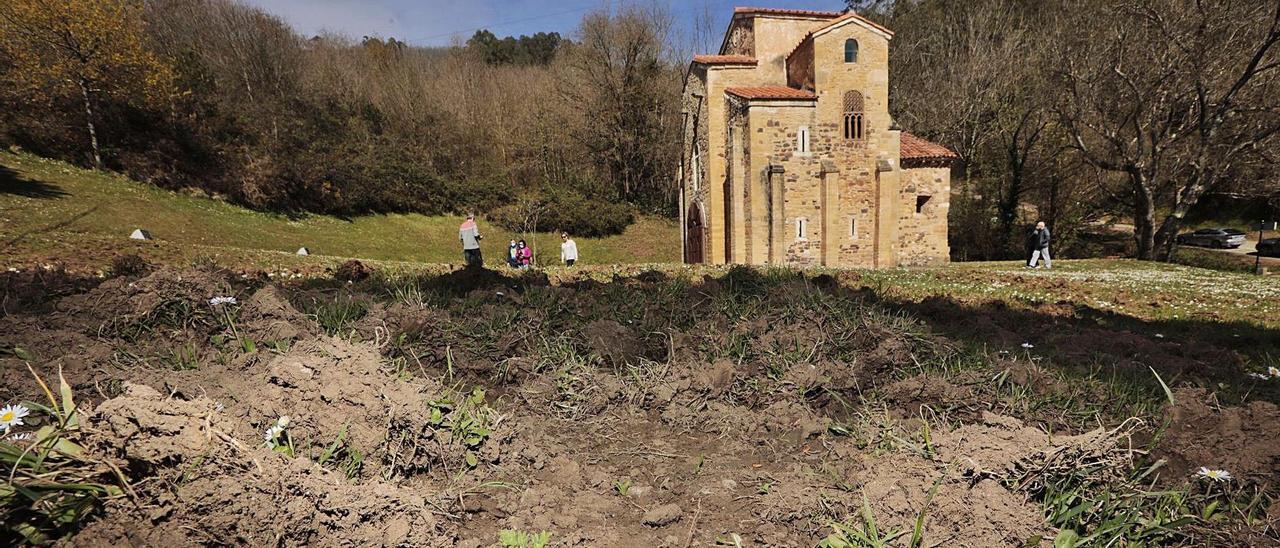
(50, 209)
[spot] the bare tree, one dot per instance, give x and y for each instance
(1169, 95)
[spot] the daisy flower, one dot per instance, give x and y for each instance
(1273, 371)
(1028, 345)
(1215, 475)
(222, 300)
(12, 416)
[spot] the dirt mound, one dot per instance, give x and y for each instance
(218, 491)
(120, 302)
(1240, 440)
(268, 316)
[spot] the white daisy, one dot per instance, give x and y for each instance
(1028, 345)
(1273, 371)
(1215, 475)
(222, 300)
(11, 416)
(1259, 376)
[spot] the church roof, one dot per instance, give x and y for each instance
(919, 150)
(851, 16)
(774, 93)
(788, 12)
(724, 59)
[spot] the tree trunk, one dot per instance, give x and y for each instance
(88, 118)
(1144, 218)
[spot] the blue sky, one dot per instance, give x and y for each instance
(438, 22)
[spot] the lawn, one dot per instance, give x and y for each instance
(56, 212)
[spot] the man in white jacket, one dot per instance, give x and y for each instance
(568, 250)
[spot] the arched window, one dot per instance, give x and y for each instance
(853, 124)
(851, 51)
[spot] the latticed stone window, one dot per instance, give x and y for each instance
(853, 123)
(851, 51)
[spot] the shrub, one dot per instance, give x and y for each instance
(567, 211)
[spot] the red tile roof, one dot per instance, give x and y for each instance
(724, 59)
(915, 148)
(791, 12)
(780, 93)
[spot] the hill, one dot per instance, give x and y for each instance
(55, 212)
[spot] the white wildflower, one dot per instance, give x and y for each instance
(1028, 345)
(12, 416)
(20, 436)
(222, 300)
(283, 421)
(1259, 376)
(1215, 475)
(1274, 371)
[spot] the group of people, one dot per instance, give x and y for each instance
(519, 254)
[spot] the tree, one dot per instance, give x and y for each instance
(619, 75)
(1169, 95)
(87, 48)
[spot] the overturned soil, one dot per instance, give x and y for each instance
(645, 411)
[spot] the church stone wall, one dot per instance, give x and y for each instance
(923, 235)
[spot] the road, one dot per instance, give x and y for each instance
(1250, 248)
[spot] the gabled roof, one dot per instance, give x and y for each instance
(919, 150)
(787, 12)
(852, 17)
(724, 59)
(771, 93)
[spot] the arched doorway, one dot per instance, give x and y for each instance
(693, 235)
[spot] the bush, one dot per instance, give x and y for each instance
(570, 212)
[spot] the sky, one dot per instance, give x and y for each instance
(441, 22)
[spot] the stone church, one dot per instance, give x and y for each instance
(791, 157)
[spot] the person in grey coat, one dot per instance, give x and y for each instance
(1038, 241)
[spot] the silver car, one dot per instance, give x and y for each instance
(1223, 238)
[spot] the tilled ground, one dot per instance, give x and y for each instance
(766, 409)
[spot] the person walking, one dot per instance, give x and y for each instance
(1039, 240)
(568, 249)
(525, 255)
(513, 255)
(469, 233)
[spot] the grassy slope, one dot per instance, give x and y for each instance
(51, 209)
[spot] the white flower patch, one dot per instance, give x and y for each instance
(1215, 475)
(216, 301)
(11, 416)
(275, 431)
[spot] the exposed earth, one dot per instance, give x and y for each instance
(662, 409)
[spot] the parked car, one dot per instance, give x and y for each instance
(1213, 237)
(1269, 247)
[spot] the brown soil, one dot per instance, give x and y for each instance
(608, 421)
(1241, 440)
